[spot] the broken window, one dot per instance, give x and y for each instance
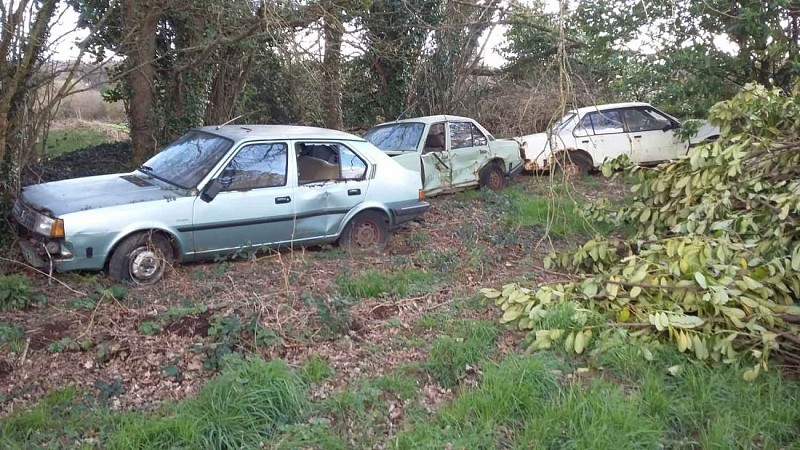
(328, 161)
(256, 166)
(466, 134)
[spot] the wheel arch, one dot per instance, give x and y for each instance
(578, 151)
(367, 207)
(174, 242)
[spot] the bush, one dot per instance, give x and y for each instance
(15, 292)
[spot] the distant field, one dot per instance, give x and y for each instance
(72, 135)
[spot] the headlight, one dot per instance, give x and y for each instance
(47, 226)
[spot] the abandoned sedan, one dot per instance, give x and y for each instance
(586, 137)
(217, 190)
(451, 153)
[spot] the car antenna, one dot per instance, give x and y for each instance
(232, 120)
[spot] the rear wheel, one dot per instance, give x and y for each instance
(141, 258)
(367, 231)
(572, 164)
(492, 177)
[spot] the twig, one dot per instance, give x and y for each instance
(43, 273)
(25, 352)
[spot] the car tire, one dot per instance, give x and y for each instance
(367, 231)
(572, 164)
(492, 177)
(141, 259)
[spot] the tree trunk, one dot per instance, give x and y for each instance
(332, 61)
(140, 24)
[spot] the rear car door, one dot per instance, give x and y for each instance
(469, 151)
(602, 134)
(652, 137)
(331, 181)
(255, 206)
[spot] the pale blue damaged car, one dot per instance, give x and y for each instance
(218, 190)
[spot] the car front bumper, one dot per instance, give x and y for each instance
(403, 212)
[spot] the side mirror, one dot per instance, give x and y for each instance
(211, 190)
(670, 126)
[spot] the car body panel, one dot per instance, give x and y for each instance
(99, 212)
(452, 165)
(649, 141)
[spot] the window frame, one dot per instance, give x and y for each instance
(643, 110)
(602, 112)
(243, 147)
(471, 134)
(358, 155)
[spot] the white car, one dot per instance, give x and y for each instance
(451, 153)
(586, 137)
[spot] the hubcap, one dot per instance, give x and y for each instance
(144, 264)
(366, 234)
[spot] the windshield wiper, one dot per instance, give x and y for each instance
(144, 168)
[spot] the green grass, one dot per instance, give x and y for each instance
(242, 407)
(64, 141)
(373, 283)
(559, 216)
(315, 369)
(469, 342)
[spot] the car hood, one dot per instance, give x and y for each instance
(705, 131)
(81, 194)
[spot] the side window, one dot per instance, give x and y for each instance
(256, 166)
(584, 128)
(328, 161)
(352, 166)
(605, 122)
(478, 138)
(460, 135)
(434, 142)
(645, 120)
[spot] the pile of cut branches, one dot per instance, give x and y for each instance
(714, 264)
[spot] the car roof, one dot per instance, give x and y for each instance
(608, 106)
(430, 119)
(251, 132)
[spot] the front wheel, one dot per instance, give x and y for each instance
(141, 259)
(492, 177)
(367, 231)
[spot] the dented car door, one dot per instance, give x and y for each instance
(468, 151)
(332, 180)
(436, 168)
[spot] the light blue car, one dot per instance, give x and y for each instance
(218, 190)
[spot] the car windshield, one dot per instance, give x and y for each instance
(188, 160)
(402, 137)
(558, 126)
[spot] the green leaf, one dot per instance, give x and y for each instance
(701, 280)
(579, 342)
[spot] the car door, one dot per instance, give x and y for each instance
(602, 134)
(469, 151)
(331, 181)
(435, 159)
(254, 207)
(652, 137)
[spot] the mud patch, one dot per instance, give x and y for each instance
(44, 335)
(190, 326)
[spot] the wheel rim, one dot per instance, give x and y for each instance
(495, 181)
(146, 265)
(571, 169)
(366, 234)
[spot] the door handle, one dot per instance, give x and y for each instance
(584, 142)
(354, 192)
(484, 151)
(638, 137)
(281, 200)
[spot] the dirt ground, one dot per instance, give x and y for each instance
(151, 344)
